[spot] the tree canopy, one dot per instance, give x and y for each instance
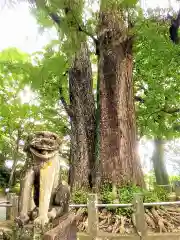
(45, 73)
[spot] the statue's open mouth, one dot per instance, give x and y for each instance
(44, 145)
(46, 156)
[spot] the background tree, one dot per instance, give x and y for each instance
(157, 86)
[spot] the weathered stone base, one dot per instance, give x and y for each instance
(65, 229)
(62, 228)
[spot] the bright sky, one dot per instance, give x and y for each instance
(19, 29)
(160, 3)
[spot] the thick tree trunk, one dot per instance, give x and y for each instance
(82, 121)
(159, 164)
(118, 146)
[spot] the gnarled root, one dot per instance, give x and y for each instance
(103, 218)
(115, 228)
(166, 222)
(149, 220)
(80, 215)
(101, 224)
(173, 209)
(159, 220)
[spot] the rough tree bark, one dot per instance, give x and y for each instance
(159, 164)
(81, 109)
(118, 146)
(82, 106)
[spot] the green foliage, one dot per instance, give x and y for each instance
(150, 196)
(162, 194)
(106, 193)
(156, 75)
(174, 178)
(126, 194)
(118, 4)
(16, 189)
(156, 195)
(79, 197)
(20, 115)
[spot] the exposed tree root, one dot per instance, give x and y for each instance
(173, 209)
(104, 221)
(158, 220)
(122, 229)
(115, 228)
(150, 222)
(163, 214)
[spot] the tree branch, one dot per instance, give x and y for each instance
(173, 30)
(64, 103)
(80, 28)
(54, 17)
(166, 110)
(176, 128)
(171, 110)
(83, 29)
(139, 99)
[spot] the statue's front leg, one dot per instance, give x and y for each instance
(60, 204)
(33, 211)
(26, 189)
(47, 174)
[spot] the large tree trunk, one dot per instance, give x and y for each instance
(82, 121)
(120, 163)
(159, 164)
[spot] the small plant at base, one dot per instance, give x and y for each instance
(162, 194)
(126, 195)
(150, 196)
(79, 197)
(174, 178)
(107, 194)
(15, 189)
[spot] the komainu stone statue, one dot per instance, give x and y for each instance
(43, 196)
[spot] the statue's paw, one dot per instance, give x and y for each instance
(41, 221)
(22, 220)
(52, 214)
(33, 214)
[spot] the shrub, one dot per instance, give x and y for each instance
(79, 197)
